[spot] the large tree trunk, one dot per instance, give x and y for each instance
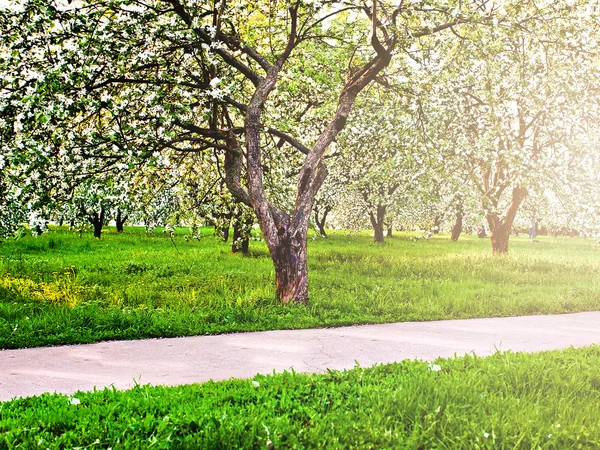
(499, 239)
(457, 229)
(500, 228)
(120, 221)
(285, 237)
(291, 269)
(378, 223)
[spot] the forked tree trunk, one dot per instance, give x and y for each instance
(500, 228)
(378, 223)
(286, 234)
(457, 229)
(120, 221)
(97, 221)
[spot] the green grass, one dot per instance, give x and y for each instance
(546, 401)
(61, 289)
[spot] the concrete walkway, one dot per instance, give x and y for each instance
(121, 364)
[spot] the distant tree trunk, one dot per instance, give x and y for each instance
(120, 221)
(320, 221)
(97, 220)
(436, 224)
(240, 242)
(225, 233)
(390, 230)
(378, 223)
(457, 229)
(241, 235)
(222, 227)
(500, 228)
(460, 212)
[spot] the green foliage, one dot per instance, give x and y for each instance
(61, 289)
(545, 401)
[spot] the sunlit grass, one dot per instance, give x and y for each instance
(60, 288)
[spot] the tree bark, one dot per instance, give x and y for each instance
(378, 223)
(500, 228)
(499, 240)
(320, 222)
(457, 229)
(291, 269)
(390, 230)
(120, 221)
(97, 220)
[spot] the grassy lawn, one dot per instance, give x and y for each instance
(547, 401)
(60, 288)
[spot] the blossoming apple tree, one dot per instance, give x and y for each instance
(515, 108)
(99, 84)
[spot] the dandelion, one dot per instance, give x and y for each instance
(486, 434)
(75, 401)
(255, 383)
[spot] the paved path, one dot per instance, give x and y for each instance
(68, 369)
